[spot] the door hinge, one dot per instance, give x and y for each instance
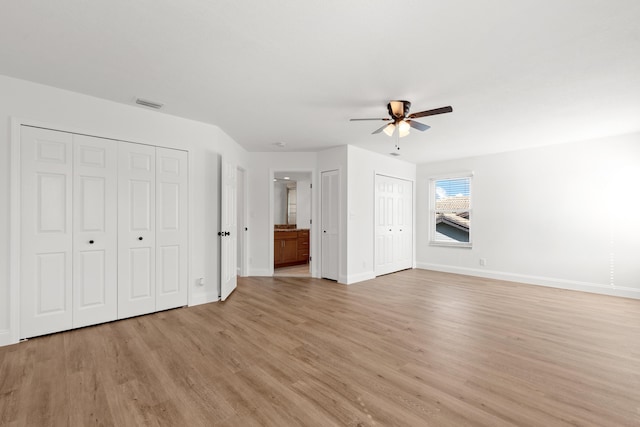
(310, 185)
(310, 221)
(310, 258)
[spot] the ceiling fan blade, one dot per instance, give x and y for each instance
(379, 129)
(417, 125)
(357, 120)
(431, 112)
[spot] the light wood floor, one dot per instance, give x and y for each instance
(416, 348)
(293, 271)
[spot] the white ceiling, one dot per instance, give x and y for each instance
(517, 73)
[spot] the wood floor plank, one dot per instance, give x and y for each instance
(416, 348)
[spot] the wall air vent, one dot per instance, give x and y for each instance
(148, 103)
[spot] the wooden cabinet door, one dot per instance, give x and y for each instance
(277, 250)
(290, 250)
(303, 246)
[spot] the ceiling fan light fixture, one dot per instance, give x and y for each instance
(399, 108)
(389, 129)
(403, 128)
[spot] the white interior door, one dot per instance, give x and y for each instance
(95, 182)
(240, 223)
(394, 224)
(228, 230)
(330, 202)
(136, 229)
(171, 228)
(46, 231)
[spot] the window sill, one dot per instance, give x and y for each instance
(451, 244)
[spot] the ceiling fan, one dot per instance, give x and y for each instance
(401, 119)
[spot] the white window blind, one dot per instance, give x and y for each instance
(450, 211)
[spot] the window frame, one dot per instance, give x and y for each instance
(432, 210)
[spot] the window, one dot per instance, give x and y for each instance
(450, 211)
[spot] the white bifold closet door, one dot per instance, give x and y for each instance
(171, 228)
(47, 235)
(68, 228)
(136, 229)
(394, 224)
(152, 224)
(95, 224)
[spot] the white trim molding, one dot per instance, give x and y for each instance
(260, 272)
(13, 334)
(360, 277)
(203, 298)
(572, 285)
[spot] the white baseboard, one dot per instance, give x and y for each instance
(260, 272)
(361, 277)
(204, 298)
(597, 288)
(5, 338)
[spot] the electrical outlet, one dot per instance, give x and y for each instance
(483, 262)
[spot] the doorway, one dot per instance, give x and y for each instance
(292, 224)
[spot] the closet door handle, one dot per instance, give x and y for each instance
(91, 242)
(140, 238)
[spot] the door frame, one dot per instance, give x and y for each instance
(11, 336)
(241, 194)
(313, 227)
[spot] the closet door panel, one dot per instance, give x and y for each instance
(394, 224)
(95, 282)
(46, 230)
(171, 228)
(136, 229)
(330, 219)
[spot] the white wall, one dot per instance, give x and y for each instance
(80, 113)
(280, 210)
(363, 165)
(262, 167)
(304, 203)
(562, 215)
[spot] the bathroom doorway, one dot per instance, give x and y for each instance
(292, 224)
